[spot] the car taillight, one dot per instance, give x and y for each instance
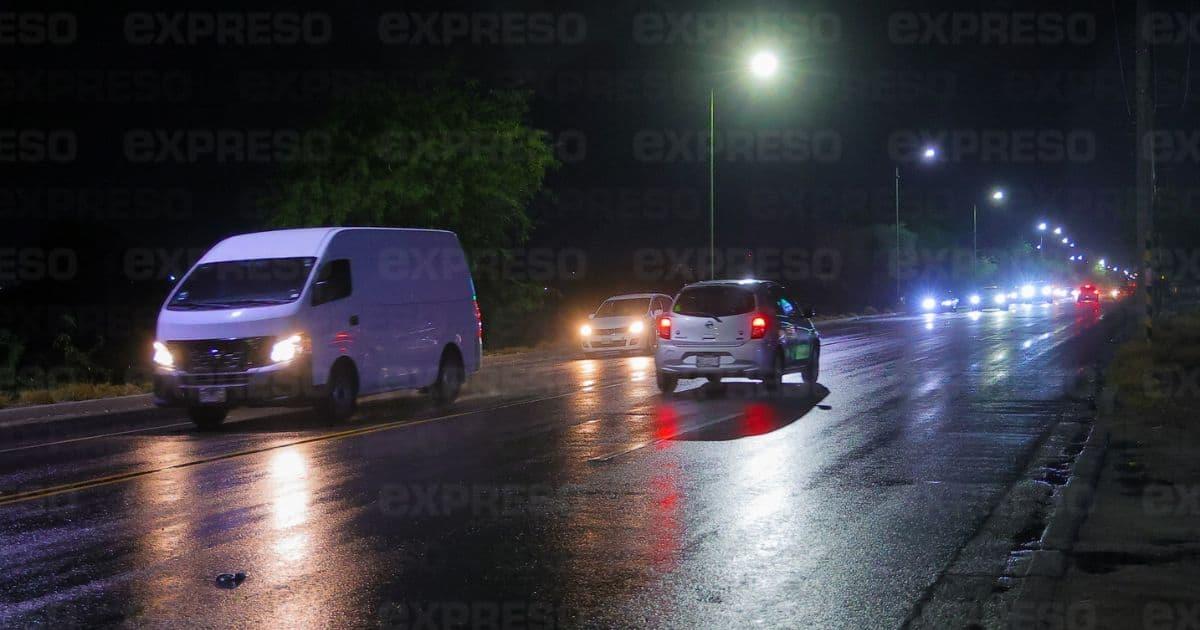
(478, 320)
(664, 327)
(758, 327)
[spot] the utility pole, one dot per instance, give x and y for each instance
(898, 295)
(712, 185)
(1145, 166)
(974, 242)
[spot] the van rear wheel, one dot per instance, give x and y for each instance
(449, 380)
(207, 418)
(341, 395)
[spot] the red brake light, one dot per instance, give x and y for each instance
(758, 327)
(478, 320)
(664, 327)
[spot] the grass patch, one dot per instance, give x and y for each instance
(72, 392)
(1160, 373)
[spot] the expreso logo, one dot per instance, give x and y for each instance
(509, 29)
(225, 28)
(991, 28)
(32, 29)
(31, 146)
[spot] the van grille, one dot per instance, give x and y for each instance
(213, 356)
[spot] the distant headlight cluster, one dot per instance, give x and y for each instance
(974, 299)
(928, 304)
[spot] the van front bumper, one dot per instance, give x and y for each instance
(272, 386)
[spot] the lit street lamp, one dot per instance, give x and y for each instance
(929, 154)
(1058, 231)
(763, 65)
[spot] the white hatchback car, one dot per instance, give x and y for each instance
(624, 323)
(736, 328)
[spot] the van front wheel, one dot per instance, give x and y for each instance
(449, 380)
(341, 395)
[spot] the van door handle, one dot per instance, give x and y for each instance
(354, 320)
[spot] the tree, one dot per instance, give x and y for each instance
(454, 156)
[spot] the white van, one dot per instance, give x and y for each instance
(317, 316)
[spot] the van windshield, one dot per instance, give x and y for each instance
(622, 308)
(242, 283)
(714, 301)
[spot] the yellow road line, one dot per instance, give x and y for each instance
(42, 493)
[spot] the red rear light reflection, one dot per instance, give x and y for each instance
(758, 327)
(664, 327)
(478, 320)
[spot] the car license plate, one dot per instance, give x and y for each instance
(212, 395)
(709, 360)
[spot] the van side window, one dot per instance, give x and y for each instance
(333, 282)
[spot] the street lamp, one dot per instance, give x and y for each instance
(997, 197)
(763, 65)
(928, 154)
(1058, 231)
(1065, 240)
(1042, 226)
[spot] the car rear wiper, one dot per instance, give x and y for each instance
(700, 314)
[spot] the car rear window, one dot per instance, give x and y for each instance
(714, 300)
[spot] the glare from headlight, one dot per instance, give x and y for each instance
(585, 330)
(162, 355)
(636, 327)
(928, 304)
(947, 302)
(1027, 291)
(1000, 298)
(287, 349)
(974, 299)
(1047, 290)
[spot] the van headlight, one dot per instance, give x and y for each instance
(974, 299)
(289, 348)
(636, 327)
(162, 355)
(928, 304)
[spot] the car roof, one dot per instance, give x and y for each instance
(748, 282)
(632, 296)
(287, 243)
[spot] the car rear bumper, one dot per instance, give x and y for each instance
(749, 360)
(274, 386)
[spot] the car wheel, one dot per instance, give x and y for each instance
(773, 379)
(812, 371)
(667, 383)
(207, 418)
(449, 379)
(341, 395)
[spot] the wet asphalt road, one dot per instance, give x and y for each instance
(558, 492)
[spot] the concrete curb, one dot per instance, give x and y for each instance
(53, 412)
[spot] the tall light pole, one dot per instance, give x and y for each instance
(997, 196)
(763, 65)
(928, 154)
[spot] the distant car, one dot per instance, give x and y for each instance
(1088, 293)
(1035, 293)
(986, 298)
(624, 323)
(938, 302)
(732, 328)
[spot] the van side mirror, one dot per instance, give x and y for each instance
(808, 312)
